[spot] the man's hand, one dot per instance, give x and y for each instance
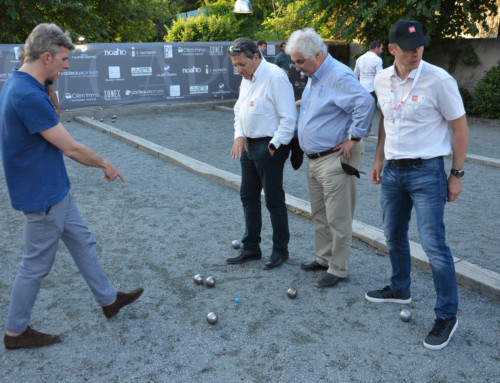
(376, 172)
(111, 173)
(454, 188)
(238, 145)
(345, 148)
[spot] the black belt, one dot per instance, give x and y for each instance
(406, 162)
(259, 139)
(313, 156)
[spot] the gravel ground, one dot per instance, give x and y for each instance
(472, 223)
(164, 225)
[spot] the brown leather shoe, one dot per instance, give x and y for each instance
(30, 339)
(122, 299)
(244, 256)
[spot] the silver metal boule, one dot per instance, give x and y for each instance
(102, 120)
(405, 315)
(114, 116)
(236, 244)
(212, 318)
(292, 293)
(210, 282)
(198, 279)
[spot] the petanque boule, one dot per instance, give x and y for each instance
(212, 318)
(405, 315)
(198, 279)
(102, 120)
(236, 244)
(210, 282)
(114, 116)
(292, 293)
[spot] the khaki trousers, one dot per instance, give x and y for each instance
(333, 198)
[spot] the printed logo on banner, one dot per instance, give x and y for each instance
(3, 77)
(221, 89)
(191, 70)
(80, 73)
(141, 71)
(217, 50)
(166, 72)
(115, 52)
(145, 92)
(168, 51)
(198, 89)
(235, 72)
(175, 90)
(81, 97)
(191, 51)
(112, 94)
(83, 55)
(143, 52)
(16, 53)
(209, 70)
(114, 72)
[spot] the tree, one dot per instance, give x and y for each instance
(97, 20)
(367, 20)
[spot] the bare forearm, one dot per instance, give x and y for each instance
(460, 141)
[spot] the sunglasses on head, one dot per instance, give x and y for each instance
(234, 49)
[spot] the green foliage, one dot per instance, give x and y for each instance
(203, 28)
(486, 102)
(367, 20)
(97, 20)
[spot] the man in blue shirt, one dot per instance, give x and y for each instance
(335, 113)
(33, 142)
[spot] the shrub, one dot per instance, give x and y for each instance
(486, 102)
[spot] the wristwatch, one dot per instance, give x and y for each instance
(272, 147)
(458, 173)
(352, 138)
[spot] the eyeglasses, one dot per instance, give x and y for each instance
(234, 49)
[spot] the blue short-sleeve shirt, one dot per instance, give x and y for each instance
(34, 168)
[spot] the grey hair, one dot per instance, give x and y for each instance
(307, 42)
(46, 38)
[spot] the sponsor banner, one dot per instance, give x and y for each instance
(119, 74)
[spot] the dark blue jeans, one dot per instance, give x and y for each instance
(423, 187)
(260, 170)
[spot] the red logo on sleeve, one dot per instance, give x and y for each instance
(414, 98)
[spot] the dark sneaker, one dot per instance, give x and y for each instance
(387, 295)
(441, 333)
(30, 339)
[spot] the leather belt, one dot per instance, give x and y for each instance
(314, 156)
(406, 162)
(259, 139)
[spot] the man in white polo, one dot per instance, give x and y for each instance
(418, 101)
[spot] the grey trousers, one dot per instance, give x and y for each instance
(42, 234)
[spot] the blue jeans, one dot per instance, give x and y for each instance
(423, 187)
(260, 170)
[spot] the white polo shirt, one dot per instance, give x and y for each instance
(367, 66)
(418, 128)
(266, 106)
